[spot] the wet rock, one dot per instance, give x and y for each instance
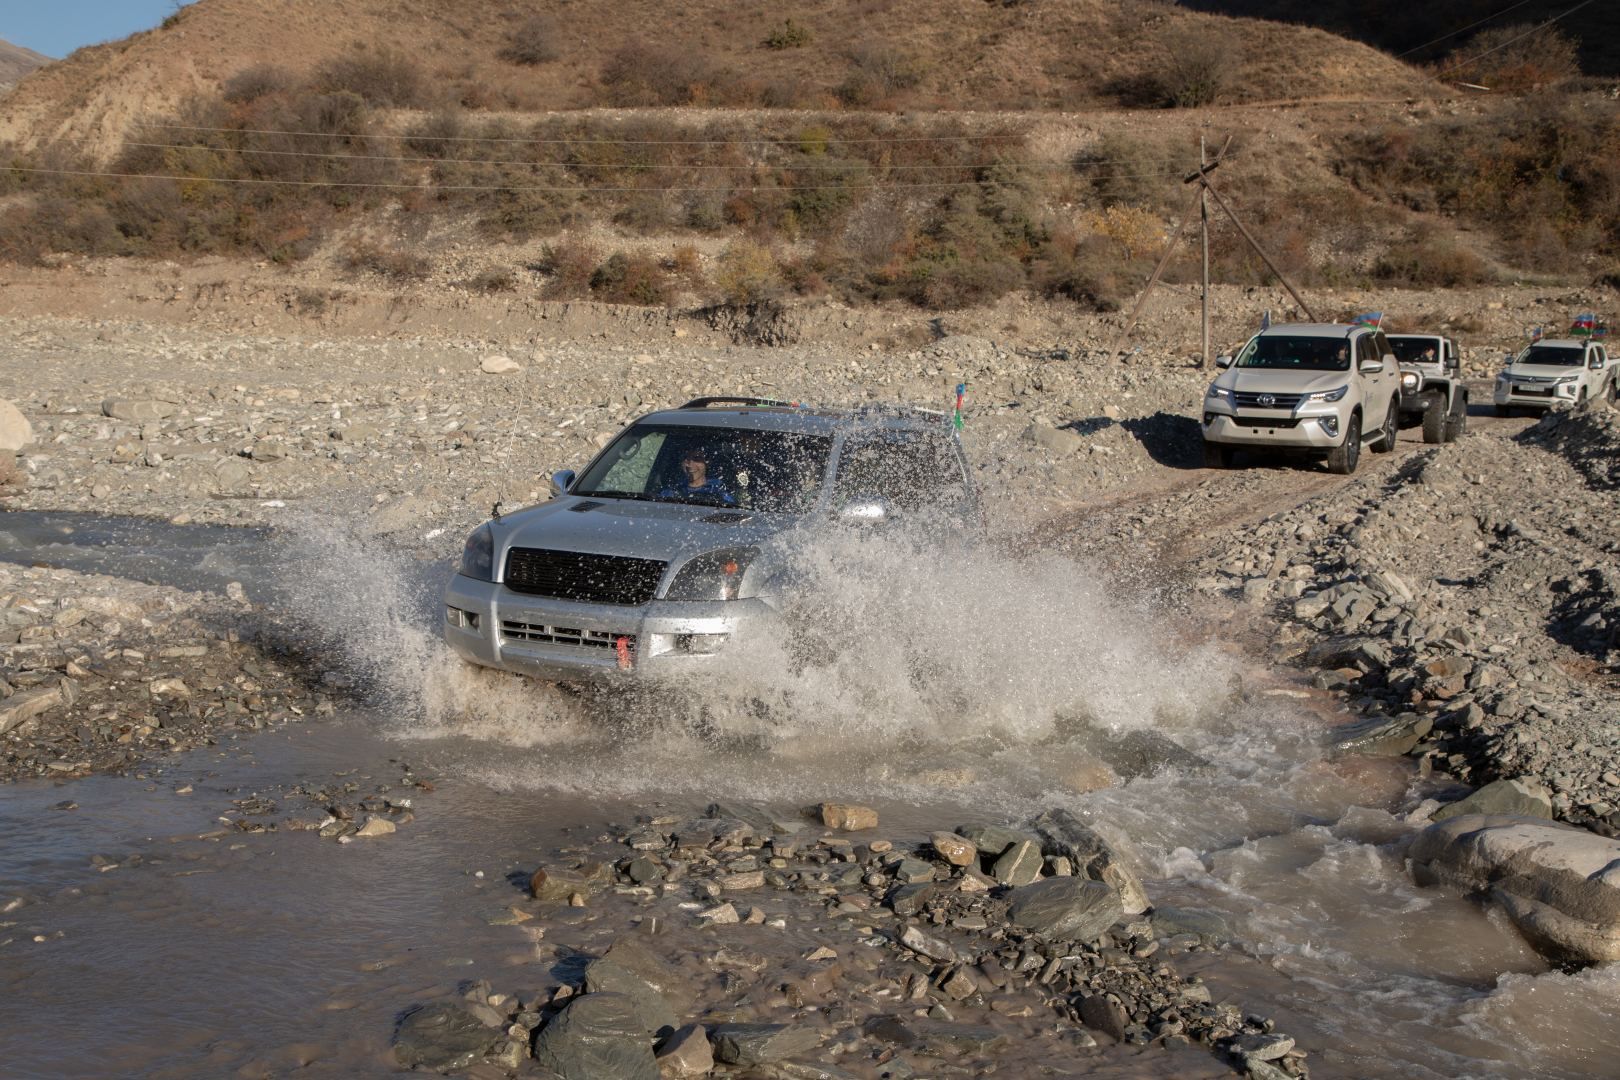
(1262, 1047)
(1145, 753)
(908, 900)
(1065, 834)
(846, 817)
(1066, 908)
(1170, 921)
(1514, 797)
(1019, 865)
(15, 430)
(706, 832)
(760, 1044)
(954, 849)
(933, 1037)
(1384, 737)
(686, 1053)
(27, 705)
(443, 1037)
(595, 1037)
(376, 826)
(992, 840)
(1102, 1013)
(924, 945)
(630, 968)
(1559, 885)
(557, 884)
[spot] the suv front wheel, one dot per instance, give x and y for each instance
(1342, 459)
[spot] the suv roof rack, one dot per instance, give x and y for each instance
(747, 402)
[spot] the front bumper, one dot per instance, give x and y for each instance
(1534, 395)
(568, 641)
(1420, 401)
(1270, 427)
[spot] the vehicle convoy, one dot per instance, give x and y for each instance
(1554, 371)
(1318, 388)
(1432, 386)
(680, 533)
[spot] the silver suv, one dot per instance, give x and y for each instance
(1316, 387)
(680, 533)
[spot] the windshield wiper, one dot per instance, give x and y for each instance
(638, 495)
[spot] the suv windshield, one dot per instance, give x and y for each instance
(1552, 355)
(1420, 350)
(1300, 353)
(773, 471)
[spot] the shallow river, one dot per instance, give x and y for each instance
(972, 696)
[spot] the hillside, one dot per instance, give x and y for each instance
(915, 54)
(16, 61)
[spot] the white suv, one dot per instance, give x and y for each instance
(1295, 387)
(1554, 371)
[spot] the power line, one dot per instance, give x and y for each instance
(1461, 30)
(1510, 41)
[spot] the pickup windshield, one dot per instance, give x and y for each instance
(769, 471)
(1552, 356)
(1302, 353)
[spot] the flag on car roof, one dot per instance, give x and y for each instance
(1265, 319)
(1584, 324)
(1370, 318)
(1535, 333)
(956, 417)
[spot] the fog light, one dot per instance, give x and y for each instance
(456, 617)
(1330, 424)
(699, 644)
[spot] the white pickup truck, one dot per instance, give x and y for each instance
(1554, 371)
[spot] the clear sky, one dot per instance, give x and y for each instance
(57, 27)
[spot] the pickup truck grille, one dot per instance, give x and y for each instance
(1246, 400)
(575, 575)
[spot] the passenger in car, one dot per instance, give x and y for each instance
(699, 485)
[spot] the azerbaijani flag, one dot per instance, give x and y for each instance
(956, 417)
(1535, 333)
(1584, 325)
(1371, 318)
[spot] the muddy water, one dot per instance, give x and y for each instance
(974, 696)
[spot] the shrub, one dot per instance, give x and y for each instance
(436, 136)
(1131, 229)
(1121, 169)
(631, 279)
(569, 266)
(747, 273)
(532, 42)
(1516, 58)
(258, 81)
(1198, 66)
(877, 75)
(790, 35)
(395, 264)
(381, 78)
(494, 280)
(1430, 258)
(641, 74)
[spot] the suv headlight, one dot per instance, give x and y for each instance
(478, 555)
(715, 575)
(1410, 380)
(1220, 393)
(1330, 395)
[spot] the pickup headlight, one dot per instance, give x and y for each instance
(716, 575)
(478, 555)
(1220, 393)
(1569, 380)
(1330, 395)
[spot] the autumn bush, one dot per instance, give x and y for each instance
(532, 42)
(380, 77)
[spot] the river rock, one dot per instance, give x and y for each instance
(1558, 884)
(1384, 737)
(442, 1037)
(15, 430)
(1019, 864)
(760, 1044)
(954, 849)
(1066, 834)
(992, 840)
(1102, 1013)
(25, 705)
(935, 1038)
(595, 1037)
(847, 818)
(138, 410)
(557, 884)
(1144, 753)
(1514, 797)
(629, 968)
(686, 1053)
(499, 365)
(1067, 908)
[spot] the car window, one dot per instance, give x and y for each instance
(1366, 348)
(1415, 350)
(1552, 355)
(775, 471)
(1291, 352)
(630, 461)
(914, 470)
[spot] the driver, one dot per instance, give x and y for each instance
(695, 464)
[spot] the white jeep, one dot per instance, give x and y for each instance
(1432, 386)
(1554, 371)
(1313, 387)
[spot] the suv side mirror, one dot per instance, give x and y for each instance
(1371, 366)
(1223, 361)
(561, 481)
(866, 510)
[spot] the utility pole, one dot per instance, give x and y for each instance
(1203, 217)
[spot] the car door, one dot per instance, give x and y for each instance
(1382, 386)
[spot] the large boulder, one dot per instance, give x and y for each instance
(443, 1037)
(1066, 908)
(15, 430)
(630, 969)
(1560, 885)
(597, 1037)
(1516, 798)
(1062, 833)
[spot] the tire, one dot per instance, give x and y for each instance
(1580, 398)
(1342, 459)
(1457, 420)
(1392, 427)
(1217, 455)
(1614, 391)
(1503, 412)
(1435, 420)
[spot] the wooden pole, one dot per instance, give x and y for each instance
(1141, 301)
(1303, 306)
(1203, 218)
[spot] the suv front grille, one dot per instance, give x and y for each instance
(514, 630)
(1247, 400)
(576, 575)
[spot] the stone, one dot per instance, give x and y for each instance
(268, 450)
(27, 705)
(1062, 441)
(499, 365)
(924, 945)
(138, 410)
(934, 1038)
(1262, 1047)
(632, 954)
(557, 884)
(908, 900)
(597, 1036)
(1066, 908)
(1385, 737)
(992, 840)
(643, 870)
(1102, 1013)
(1170, 921)
(15, 430)
(954, 849)
(376, 826)
(1065, 834)
(913, 872)
(1019, 865)
(1517, 797)
(442, 1037)
(1132, 754)
(1559, 885)
(847, 818)
(686, 1053)
(606, 975)
(761, 1044)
